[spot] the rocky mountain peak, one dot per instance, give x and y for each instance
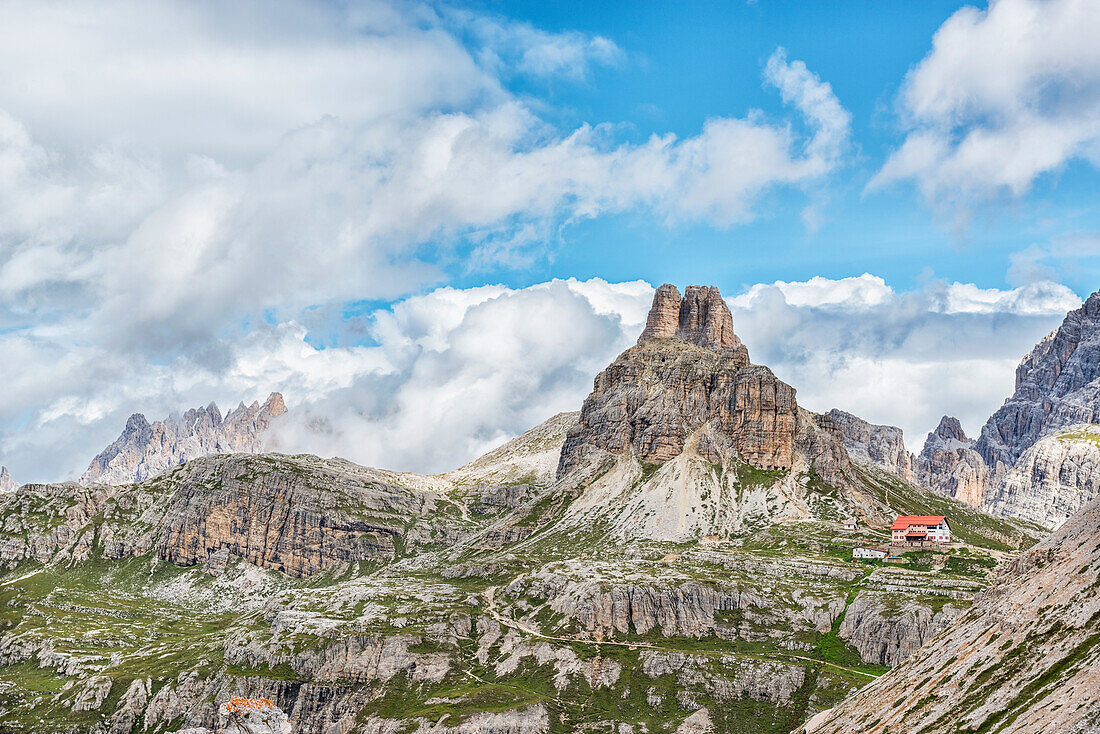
(1057, 385)
(146, 449)
(7, 482)
(949, 464)
(687, 386)
(701, 318)
(136, 423)
(949, 429)
(948, 436)
(881, 445)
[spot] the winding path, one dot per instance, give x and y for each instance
(491, 607)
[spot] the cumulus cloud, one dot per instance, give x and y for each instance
(234, 162)
(899, 358)
(192, 193)
(466, 370)
(1006, 95)
(442, 377)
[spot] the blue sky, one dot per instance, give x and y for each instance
(687, 62)
(430, 223)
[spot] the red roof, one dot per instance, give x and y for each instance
(904, 521)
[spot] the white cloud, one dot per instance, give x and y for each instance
(899, 358)
(190, 192)
(465, 370)
(226, 79)
(1004, 96)
(857, 292)
(815, 99)
(510, 47)
(167, 243)
(444, 376)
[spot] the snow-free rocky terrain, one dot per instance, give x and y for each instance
(670, 558)
(1038, 455)
(1024, 658)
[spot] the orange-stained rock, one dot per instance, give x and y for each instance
(664, 315)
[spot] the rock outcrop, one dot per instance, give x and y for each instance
(145, 449)
(7, 483)
(886, 631)
(949, 464)
(674, 381)
(701, 318)
(277, 519)
(1057, 385)
(1051, 480)
(251, 716)
(1025, 658)
(296, 515)
(883, 446)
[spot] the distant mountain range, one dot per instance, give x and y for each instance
(671, 558)
(1038, 456)
(144, 449)
(1035, 459)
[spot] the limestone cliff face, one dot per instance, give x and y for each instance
(1057, 385)
(145, 449)
(688, 369)
(1025, 658)
(883, 446)
(700, 318)
(949, 464)
(887, 630)
(287, 514)
(656, 394)
(278, 520)
(7, 483)
(1051, 480)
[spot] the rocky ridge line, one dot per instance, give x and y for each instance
(144, 450)
(7, 482)
(1057, 385)
(1025, 658)
(881, 445)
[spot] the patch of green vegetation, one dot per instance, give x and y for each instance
(648, 470)
(747, 474)
(968, 525)
(1040, 687)
(1089, 433)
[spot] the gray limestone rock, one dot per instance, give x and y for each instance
(7, 483)
(1052, 480)
(949, 464)
(1057, 385)
(883, 446)
(144, 450)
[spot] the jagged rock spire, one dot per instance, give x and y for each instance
(701, 318)
(146, 449)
